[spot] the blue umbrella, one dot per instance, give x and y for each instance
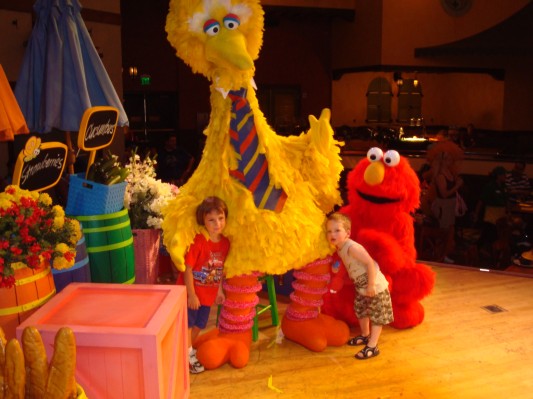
(62, 74)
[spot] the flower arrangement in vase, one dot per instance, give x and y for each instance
(144, 198)
(145, 194)
(33, 233)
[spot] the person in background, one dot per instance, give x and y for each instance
(372, 302)
(491, 213)
(174, 164)
(445, 183)
(467, 137)
(517, 183)
(204, 267)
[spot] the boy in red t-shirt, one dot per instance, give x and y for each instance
(204, 271)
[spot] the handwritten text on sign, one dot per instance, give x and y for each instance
(40, 165)
(97, 128)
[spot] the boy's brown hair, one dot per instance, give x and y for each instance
(210, 204)
(340, 217)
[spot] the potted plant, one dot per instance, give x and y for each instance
(35, 236)
(145, 197)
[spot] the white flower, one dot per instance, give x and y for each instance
(145, 195)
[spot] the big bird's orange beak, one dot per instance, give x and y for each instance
(228, 48)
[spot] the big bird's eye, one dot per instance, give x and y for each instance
(374, 154)
(232, 21)
(211, 27)
(391, 158)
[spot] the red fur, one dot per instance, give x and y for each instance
(387, 233)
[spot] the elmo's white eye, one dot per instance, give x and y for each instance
(232, 21)
(391, 158)
(211, 27)
(374, 154)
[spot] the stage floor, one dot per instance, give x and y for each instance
(476, 342)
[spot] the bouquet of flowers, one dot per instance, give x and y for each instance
(34, 232)
(145, 195)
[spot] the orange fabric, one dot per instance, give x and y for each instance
(12, 121)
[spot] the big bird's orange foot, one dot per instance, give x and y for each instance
(214, 349)
(316, 334)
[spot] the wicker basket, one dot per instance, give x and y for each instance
(88, 198)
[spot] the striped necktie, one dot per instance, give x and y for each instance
(252, 168)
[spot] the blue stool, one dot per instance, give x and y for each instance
(260, 309)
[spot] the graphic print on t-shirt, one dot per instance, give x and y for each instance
(210, 274)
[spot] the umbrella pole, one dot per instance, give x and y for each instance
(71, 157)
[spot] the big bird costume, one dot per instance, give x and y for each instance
(278, 189)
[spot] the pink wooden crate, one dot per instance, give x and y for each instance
(131, 340)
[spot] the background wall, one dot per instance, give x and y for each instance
(385, 34)
(329, 51)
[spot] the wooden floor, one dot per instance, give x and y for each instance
(461, 350)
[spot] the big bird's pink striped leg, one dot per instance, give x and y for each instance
(303, 323)
(231, 342)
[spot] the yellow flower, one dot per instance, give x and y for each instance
(58, 223)
(58, 211)
(61, 263)
(45, 199)
(5, 203)
(62, 247)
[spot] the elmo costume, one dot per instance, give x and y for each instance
(383, 193)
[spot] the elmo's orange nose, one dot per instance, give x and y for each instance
(374, 173)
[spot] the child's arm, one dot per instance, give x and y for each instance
(192, 299)
(359, 253)
(221, 297)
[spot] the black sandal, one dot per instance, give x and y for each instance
(367, 352)
(359, 340)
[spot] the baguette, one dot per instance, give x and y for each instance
(36, 363)
(3, 343)
(61, 381)
(14, 372)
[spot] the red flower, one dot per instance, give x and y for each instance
(69, 256)
(15, 250)
(35, 248)
(33, 261)
(7, 281)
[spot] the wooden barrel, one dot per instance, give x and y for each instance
(79, 273)
(33, 288)
(109, 244)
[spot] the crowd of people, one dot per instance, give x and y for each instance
(442, 187)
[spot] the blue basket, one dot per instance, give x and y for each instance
(88, 198)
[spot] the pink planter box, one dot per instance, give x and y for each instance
(131, 340)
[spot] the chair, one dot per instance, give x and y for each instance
(260, 308)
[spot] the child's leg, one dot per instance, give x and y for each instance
(364, 324)
(374, 335)
(189, 338)
(200, 323)
(193, 333)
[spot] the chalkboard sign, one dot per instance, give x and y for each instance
(97, 128)
(40, 166)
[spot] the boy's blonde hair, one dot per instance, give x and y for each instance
(210, 204)
(342, 218)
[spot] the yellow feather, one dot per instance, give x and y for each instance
(307, 167)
